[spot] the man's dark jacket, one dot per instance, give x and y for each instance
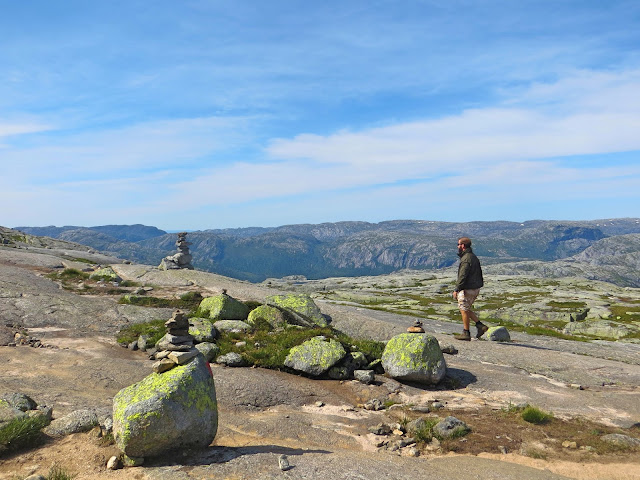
(469, 272)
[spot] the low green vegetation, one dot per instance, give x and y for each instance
(536, 416)
(567, 305)
(22, 432)
(68, 274)
(268, 348)
(56, 472)
(425, 433)
(189, 301)
(82, 260)
(154, 329)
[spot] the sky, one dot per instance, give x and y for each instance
(191, 115)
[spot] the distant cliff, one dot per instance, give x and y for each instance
(362, 248)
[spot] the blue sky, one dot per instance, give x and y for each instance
(213, 114)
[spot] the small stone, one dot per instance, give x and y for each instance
(570, 445)
(364, 376)
(163, 365)
(421, 408)
(181, 358)
(413, 452)
(319, 404)
(448, 349)
(114, 463)
(380, 429)
(283, 463)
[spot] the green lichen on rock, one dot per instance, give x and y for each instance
(300, 305)
(223, 307)
(107, 274)
(414, 357)
(315, 356)
(167, 411)
(202, 330)
(272, 315)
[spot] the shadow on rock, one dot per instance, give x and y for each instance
(220, 454)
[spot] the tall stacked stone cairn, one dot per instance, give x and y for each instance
(182, 259)
(175, 407)
(177, 347)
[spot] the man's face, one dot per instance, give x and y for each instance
(460, 247)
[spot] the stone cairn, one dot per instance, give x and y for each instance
(177, 346)
(182, 259)
(416, 327)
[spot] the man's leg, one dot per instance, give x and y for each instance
(466, 317)
(466, 334)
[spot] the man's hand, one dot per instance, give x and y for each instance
(455, 295)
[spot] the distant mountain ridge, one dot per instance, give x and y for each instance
(362, 248)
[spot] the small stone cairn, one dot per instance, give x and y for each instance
(177, 346)
(416, 327)
(182, 259)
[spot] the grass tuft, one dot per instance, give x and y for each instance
(535, 415)
(57, 472)
(22, 432)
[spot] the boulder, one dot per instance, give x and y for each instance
(270, 314)
(223, 307)
(451, 427)
(232, 326)
(315, 356)
(75, 422)
(601, 329)
(209, 350)
(167, 411)
(301, 307)
(621, 440)
(202, 330)
(231, 359)
(18, 400)
(414, 357)
(498, 334)
(364, 376)
(107, 274)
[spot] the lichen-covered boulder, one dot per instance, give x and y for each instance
(232, 326)
(300, 307)
(315, 356)
(106, 273)
(209, 350)
(167, 411)
(202, 330)
(414, 357)
(18, 400)
(272, 315)
(498, 334)
(223, 307)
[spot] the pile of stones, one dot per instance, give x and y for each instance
(182, 259)
(177, 346)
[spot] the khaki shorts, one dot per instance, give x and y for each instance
(466, 298)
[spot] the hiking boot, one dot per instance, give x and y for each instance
(465, 336)
(482, 329)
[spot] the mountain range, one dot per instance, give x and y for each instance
(607, 250)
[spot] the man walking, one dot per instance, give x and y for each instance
(467, 288)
